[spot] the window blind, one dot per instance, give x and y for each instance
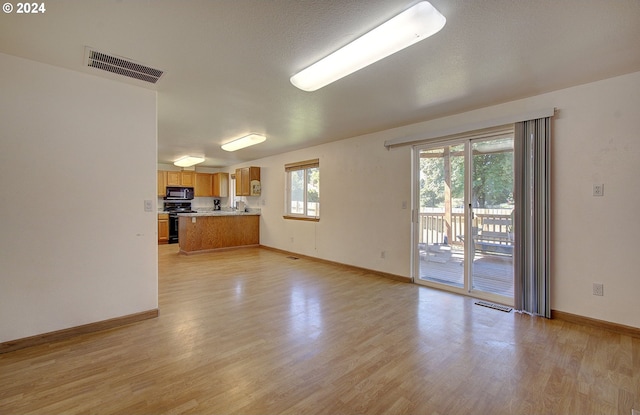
(307, 164)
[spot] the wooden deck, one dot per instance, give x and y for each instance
(492, 273)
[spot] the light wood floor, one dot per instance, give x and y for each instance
(252, 332)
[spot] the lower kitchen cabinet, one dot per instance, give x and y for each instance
(163, 228)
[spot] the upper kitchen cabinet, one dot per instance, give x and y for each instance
(181, 178)
(248, 181)
(174, 178)
(220, 185)
(188, 178)
(204, 185)
(162, 183)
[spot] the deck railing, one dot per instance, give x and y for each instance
(433, 227)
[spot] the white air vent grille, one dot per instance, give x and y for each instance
(122, 67)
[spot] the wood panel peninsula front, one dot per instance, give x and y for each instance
(210, 231)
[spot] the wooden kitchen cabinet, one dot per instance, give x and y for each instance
(162, 183)
(204, 185)
(220, 185)
(240, 189)
(163, 228)
(248, 181)
(210, 233)
(180, 178)
(174, 178)
(188, 178)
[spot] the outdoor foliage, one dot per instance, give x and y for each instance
(312, 181)
(492, 178)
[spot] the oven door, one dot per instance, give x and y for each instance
(173, 228)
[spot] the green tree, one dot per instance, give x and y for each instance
(313, 186)
(431, 182)
(492, 177)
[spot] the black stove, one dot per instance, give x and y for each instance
(178, 207)
(173, 208)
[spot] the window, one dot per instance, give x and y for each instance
(303, 190)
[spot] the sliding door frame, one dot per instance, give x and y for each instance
(415, 214)
(467, 288)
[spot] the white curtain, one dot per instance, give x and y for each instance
(532, 216)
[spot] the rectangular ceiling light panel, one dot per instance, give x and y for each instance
(246, 141)
(122, 66)
(409, 27)
(188, 161)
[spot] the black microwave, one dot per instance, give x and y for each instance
(179, 193)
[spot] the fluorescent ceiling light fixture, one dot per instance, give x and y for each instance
(243, 142)
(409, 27)
(188, 161)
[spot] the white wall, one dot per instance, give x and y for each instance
(595, 140)
(362, 187)
(77, 161)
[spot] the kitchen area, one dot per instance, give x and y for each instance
(203, 211)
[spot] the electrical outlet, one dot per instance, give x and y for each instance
(383, 254)
(598, 289)
(598, 189)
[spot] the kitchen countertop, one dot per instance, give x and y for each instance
(221, 213)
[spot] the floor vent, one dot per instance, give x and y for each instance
(292, 257)
(122, 66)
(494, 306)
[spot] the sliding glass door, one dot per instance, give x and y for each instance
(464, 199)
(441, 215)
(492, 204)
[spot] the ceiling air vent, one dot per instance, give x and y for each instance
(122, 66)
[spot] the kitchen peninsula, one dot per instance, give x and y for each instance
(214, 230)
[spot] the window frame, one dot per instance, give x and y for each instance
(305, 167)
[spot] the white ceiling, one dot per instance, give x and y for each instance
(227, 63)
